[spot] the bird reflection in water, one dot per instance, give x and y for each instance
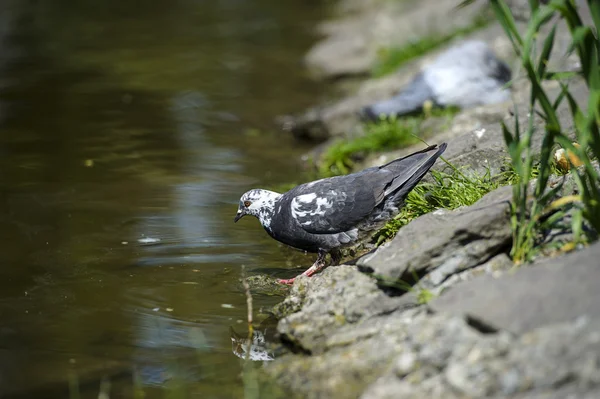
(261, 347)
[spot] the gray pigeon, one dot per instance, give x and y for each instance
(465, 75)
(326, 215)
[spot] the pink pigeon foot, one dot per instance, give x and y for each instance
(315, 268)
(288, 281)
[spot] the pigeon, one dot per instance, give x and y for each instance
(465, 75)
(327, 215)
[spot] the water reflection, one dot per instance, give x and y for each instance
(260, 347)
(121, 121)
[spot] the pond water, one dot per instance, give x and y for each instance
(128, 132)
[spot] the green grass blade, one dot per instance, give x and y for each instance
(465, 3)
(534, 4)
(546, 50)
(564, 89)
(577, 225)
(507, 21)
(563, 75)
(595, 12)
(579, 36)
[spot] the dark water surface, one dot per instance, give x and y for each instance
(123, 121)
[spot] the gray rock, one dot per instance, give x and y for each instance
(352, 43)
(483, 149)
(352, 357)
(447, 241)
(549, 292)
(465, 75)
(496, 266)
(558, 361)
(418, 355)
(338, 296)
(567, 392)
(342, 117)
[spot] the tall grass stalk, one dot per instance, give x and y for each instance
(529, 207)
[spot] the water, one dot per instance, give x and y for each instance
(128, 131)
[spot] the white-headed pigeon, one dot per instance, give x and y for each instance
(326, 215)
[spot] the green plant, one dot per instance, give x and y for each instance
(445, 190)
(527, 214)
(385, 134)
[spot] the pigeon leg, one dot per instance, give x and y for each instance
(315, 268)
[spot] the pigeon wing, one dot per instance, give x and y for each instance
(339, 203)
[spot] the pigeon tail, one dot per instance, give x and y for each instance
(411, 170)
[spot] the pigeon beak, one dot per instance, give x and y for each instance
(238, 216)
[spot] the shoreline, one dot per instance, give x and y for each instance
(475, 324)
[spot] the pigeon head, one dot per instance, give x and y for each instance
(259, 203)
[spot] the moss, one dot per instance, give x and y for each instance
(265, 285)
(340, 319)
(390, 59)
(339, 158)
(285, 308)
(424, 296)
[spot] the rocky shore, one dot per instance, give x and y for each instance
(475, 325)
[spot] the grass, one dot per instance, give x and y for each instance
(447, 191)
(383, 135)
(388, 134)
(390, 59)
(530, 209)
(451, 191)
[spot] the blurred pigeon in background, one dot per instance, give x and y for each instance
(465, 75)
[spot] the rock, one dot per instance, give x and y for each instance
(549, 292)
(418, 355)
(352, 43)
(351, 358)
(465, 75)
(342, 117)
(552, 362)
(483, 149)
(496, 266)
(265, 285)
(336, 297)
(447, 241)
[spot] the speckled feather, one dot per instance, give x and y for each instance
(338, 211)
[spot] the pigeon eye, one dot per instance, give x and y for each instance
(247, 203)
